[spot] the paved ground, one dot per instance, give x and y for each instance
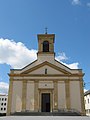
(45, 118)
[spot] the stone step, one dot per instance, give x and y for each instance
(45, 114)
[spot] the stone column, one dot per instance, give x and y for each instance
(36, 96)
(10, 97)
(67, 90)
(24, 92)
(55, 96)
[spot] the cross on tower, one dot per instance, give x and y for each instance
(46, 30)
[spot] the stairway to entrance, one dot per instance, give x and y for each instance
(46, 114)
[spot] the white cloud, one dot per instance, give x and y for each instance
(85, 90)
(17, 55)
(4, 88)
(72, 65)
(76, 2)
(61, 56)
(88, 4)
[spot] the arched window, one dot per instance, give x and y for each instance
(45, 46)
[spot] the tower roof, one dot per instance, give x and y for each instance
(40, 36)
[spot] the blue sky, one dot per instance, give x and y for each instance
(22, 20)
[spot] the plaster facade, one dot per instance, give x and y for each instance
(87, 102)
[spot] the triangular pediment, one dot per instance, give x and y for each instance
(50, 68)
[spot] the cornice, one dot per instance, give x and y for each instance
(45, 75)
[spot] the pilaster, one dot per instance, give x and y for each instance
(24, 91)
(36, 96)
(10, 97)
(67, 90)
(55, 96)
(82, 97)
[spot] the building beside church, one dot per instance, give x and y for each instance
(45, 85)
(3, 104)
(87, 102)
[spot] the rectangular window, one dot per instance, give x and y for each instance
(2, 99)
(4, 108)
(1, 103)
(45, 71)
(88, 100)
(1, 108)
(89, 110)
(4, 103)
(5, 99)
(85, 101)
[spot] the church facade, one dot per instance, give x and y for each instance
(45, 85)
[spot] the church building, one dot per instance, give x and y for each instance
(45, 85)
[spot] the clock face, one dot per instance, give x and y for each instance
(45, 46)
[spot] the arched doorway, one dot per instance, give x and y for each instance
(45, 46)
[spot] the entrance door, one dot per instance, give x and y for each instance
(45, 102)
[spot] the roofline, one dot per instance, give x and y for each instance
(23, 67)
(67, 66)
(46, 34)
(3, 95)
(87, 93)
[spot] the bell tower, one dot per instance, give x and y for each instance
(46, 44)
